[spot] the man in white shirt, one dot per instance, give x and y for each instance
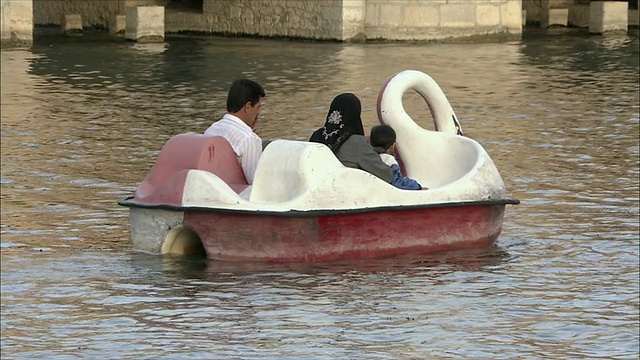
(238, 124)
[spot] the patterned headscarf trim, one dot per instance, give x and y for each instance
(343, 120)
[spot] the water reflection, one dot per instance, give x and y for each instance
(584, 54)
(409, 264)
(82, 122)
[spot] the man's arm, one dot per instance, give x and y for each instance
(251, 155)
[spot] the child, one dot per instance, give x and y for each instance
(382, 138)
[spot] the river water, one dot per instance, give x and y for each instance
(84, 117)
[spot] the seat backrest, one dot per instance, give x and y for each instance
(189, 151)
(290, 168)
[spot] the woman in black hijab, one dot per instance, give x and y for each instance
(343, 133)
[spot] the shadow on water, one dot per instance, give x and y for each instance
(583, 52)
(197, 62)
(430, 265)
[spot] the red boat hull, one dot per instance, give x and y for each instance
(334, 235)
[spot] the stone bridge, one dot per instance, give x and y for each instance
(341, 20)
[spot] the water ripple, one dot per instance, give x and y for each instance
(82, 122)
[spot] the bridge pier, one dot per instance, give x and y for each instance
(608, 16)
(117, 24)
(17, 21)
(71, 24)
(598, 15)
(579, 15)
(145, 24)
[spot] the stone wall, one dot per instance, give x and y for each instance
(292, 18)
(94, 13)
(536, 8)
(357, 19)
(438, 19)
(539, 12)
(17, 21)
(345, 20)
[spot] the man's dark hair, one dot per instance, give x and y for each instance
(382, 136)
(243, 91)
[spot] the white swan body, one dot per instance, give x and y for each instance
(443, 158)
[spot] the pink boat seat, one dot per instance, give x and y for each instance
(164, 184)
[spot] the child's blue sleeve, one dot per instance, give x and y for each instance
(403, 182)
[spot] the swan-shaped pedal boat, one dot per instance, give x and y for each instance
(304, 205)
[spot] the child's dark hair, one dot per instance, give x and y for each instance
(382, 136)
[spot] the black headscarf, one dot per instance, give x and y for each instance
(343, 120)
